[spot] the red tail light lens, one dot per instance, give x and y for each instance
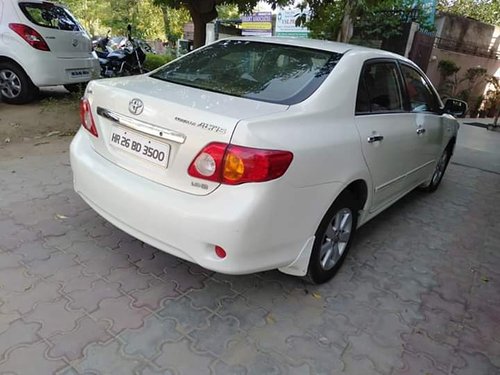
(86, 118)
(31, 36)
(234, 165)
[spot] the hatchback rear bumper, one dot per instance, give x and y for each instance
(51, 71)
(258, 225)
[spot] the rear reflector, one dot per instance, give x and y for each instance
(220, 252)
(86, 118)
(31, 36)
(234, 165)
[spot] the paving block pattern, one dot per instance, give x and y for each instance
(418, 294)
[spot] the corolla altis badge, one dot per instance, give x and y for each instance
(135, 106)
(203, 125)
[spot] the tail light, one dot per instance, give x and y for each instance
(234, 165)
(86, 118)
(31, 36)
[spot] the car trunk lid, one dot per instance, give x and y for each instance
(177, 121)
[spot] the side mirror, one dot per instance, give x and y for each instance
(455, 107)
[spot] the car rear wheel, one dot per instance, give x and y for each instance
(438, 174)
(15, 85)
(333, 239)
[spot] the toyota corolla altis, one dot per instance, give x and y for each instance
(255, 154)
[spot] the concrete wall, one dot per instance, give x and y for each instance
(467, 31)
(466, 35)
(462, 60)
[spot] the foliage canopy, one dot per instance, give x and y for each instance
(487, 11)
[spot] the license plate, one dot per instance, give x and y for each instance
(140, 146)
(79, 73)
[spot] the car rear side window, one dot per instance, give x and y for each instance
(379, 90)
(268, 72)
(49, 15)
(419, 93)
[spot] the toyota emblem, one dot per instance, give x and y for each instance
(135, 106)
(74, 43)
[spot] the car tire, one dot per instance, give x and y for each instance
(333, 239)
(76, 87)
(438, 173)
(15, 85)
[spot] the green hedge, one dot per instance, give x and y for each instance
(155, 61)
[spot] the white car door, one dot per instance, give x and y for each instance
(427, 121)
(388, 139)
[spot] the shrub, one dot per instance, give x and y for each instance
(155, 61)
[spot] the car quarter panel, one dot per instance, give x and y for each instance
(320, 132)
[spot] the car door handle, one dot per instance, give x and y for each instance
(420, 131)
(375, 138)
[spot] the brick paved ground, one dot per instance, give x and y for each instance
(419, 293)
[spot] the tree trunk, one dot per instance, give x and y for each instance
(346, 27)
(200, 28)
(202, 12)
(166, 21)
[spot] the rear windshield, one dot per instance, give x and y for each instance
(49, 15)
(262, 71)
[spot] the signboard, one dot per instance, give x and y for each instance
(257, 24)
(286, 22)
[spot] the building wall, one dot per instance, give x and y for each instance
(466, 30)
(470, 44)
(464, 61)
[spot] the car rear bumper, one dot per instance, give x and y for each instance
(50, 70)
(261, 226)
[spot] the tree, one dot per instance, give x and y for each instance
(487, 11)
(493, 96)
(368, 19)
(98, 16)
(90, 13)
(204, 11)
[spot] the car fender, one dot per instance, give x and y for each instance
(300, 265)
(9, 51)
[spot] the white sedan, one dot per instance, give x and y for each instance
(256, 154)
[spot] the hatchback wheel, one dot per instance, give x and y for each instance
(438, 174)
(333, 239)
(15, 85)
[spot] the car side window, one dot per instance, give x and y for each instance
(419, 93)
(379, 90)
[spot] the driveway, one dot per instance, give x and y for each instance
(419, 293)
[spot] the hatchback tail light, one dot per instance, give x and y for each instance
(86, 118)
(31, 36)
(234, 165)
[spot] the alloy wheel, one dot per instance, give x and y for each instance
(10, 84)
(336, 238)
(440, 168)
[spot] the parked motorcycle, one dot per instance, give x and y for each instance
(124, 61)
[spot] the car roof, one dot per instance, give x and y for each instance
(325, 45)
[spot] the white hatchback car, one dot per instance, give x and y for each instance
(41, 44)
(255, 154)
